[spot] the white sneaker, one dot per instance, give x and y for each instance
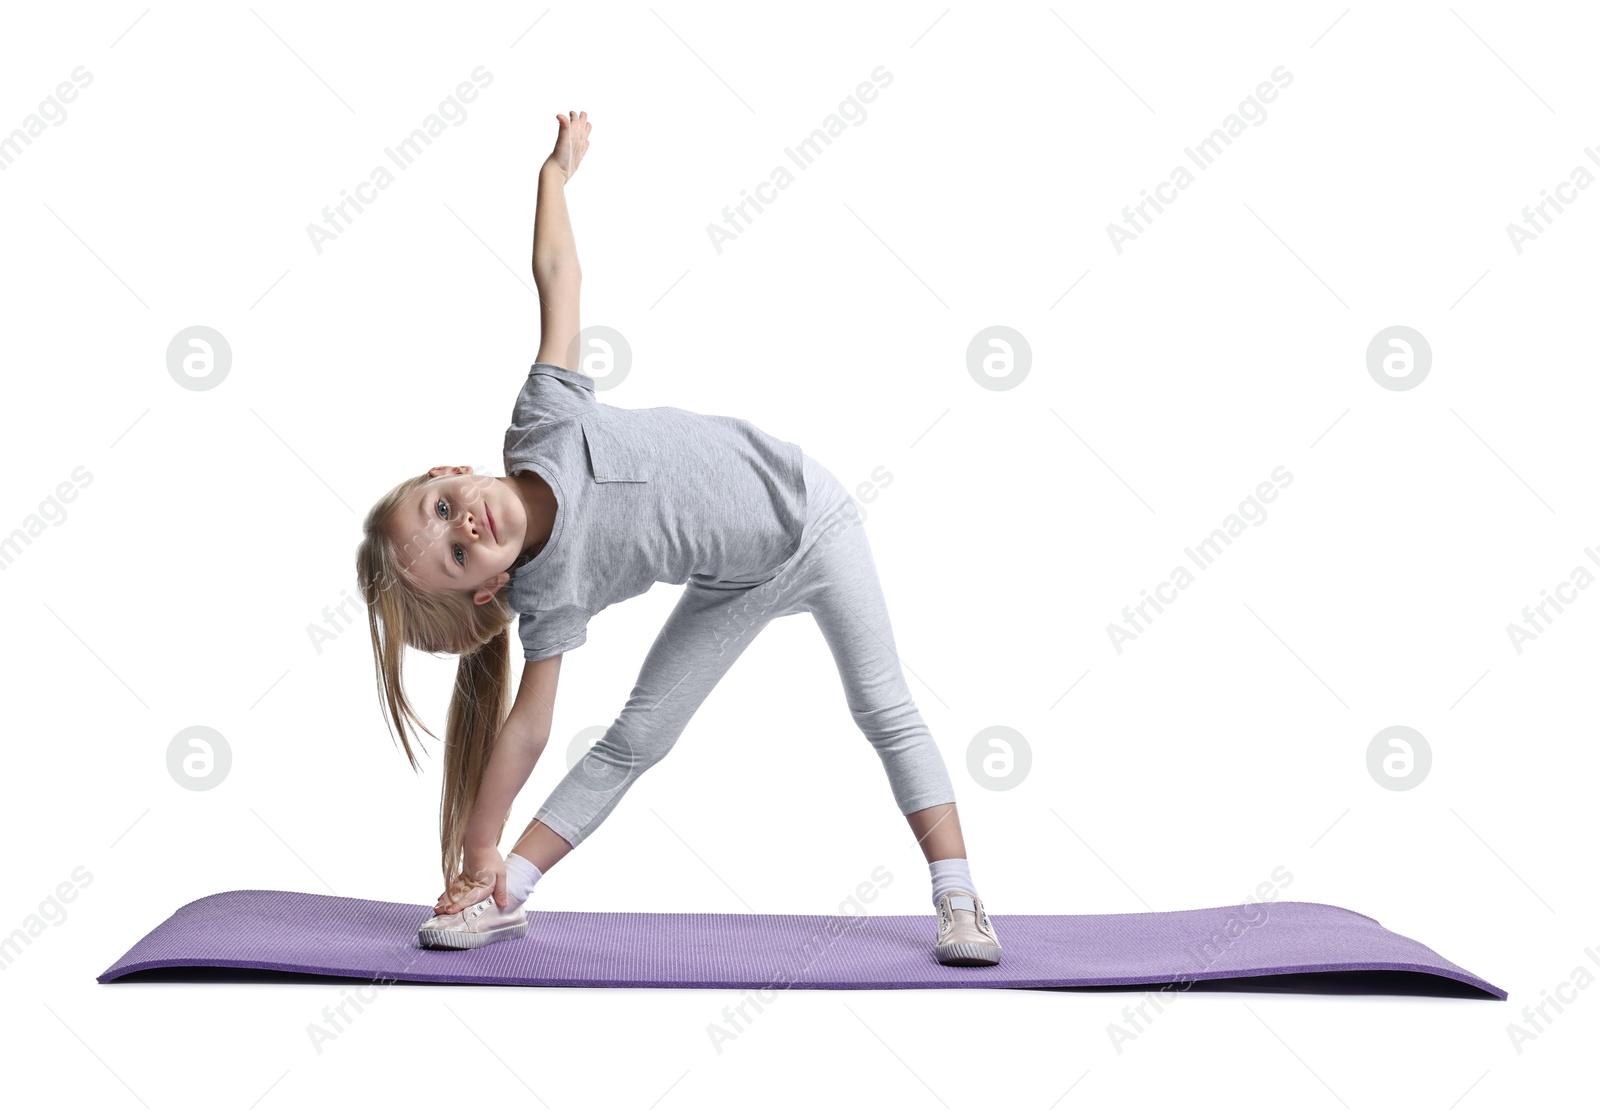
(966, 938)
(478, 924)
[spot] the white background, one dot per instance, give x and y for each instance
(1229, 338)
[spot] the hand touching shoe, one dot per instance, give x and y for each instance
(480, 923)
(485, 876)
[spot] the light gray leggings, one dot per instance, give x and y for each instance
(832, 576)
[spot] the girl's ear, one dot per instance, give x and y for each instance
(498, 582)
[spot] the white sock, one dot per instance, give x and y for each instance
(950, 874)
(521, 877)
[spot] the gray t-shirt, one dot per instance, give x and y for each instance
(644, 496)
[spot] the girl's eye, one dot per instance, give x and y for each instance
(455, 548)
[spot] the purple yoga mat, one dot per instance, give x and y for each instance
(322, 935)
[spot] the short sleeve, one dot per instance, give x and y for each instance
(550, 394)
(548, 632)
(550, 368)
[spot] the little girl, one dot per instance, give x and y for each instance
(598, 504)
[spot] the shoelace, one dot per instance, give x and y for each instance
(980, 917)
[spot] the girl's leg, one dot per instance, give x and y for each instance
(541, 846)
(938, 830)
(836, 580)
(702, 637)
(839, 586)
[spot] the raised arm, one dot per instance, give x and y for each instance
(555, 254)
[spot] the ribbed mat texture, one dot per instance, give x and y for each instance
(324, 935)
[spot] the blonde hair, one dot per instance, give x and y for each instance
(400, 612)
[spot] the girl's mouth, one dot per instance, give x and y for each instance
(489, 517)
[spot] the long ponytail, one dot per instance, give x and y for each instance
(477, 711)
(401, 613)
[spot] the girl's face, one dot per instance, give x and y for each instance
(461, 531)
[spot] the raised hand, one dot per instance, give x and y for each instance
(572, 140)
